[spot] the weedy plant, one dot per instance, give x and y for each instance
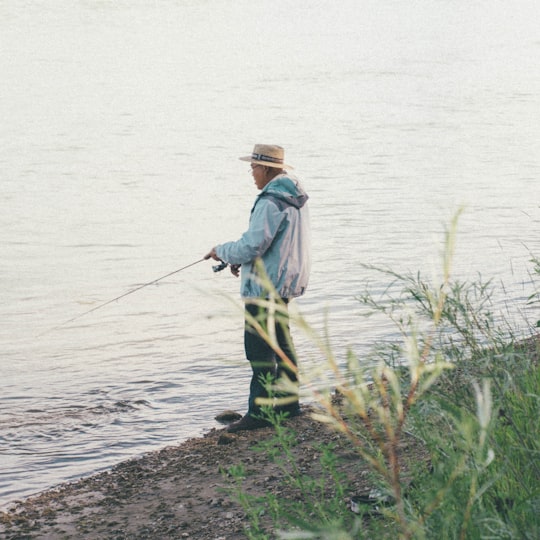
(311, 499)
(466, 389)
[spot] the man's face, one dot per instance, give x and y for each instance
(259, 175)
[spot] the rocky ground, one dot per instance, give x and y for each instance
(178, 492)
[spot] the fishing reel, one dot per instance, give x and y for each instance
(220, 267)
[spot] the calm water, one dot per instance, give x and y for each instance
(121, 126)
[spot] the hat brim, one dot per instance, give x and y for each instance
(266, 163)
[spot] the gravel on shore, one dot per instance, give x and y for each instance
(177, 492)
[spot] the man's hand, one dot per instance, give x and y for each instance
(235, 268)
(212, 255)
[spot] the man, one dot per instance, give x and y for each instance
(277, 241)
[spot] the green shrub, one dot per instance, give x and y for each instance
(461, 384)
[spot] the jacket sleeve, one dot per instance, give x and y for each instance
(264, 224)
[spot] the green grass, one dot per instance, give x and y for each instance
(459, 382)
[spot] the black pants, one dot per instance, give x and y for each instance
(266, 365)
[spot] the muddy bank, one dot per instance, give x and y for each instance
(178, 492)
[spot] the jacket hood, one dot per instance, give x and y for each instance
(287, 188)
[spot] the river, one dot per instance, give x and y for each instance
(122, 124)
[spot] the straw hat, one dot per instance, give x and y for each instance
(270, 155)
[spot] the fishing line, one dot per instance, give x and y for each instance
(216, 268)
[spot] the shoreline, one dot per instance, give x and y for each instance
(16, 497)
(176, 492)
(184, 491)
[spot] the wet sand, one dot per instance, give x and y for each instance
(177, 492)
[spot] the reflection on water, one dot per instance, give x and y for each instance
(122, 123)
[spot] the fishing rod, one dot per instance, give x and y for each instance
(215, 268)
